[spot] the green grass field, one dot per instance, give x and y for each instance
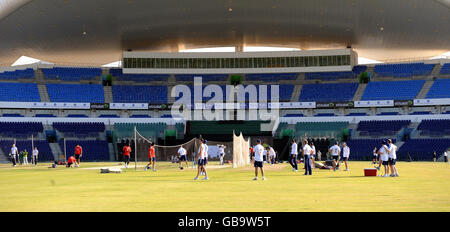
(422, 186)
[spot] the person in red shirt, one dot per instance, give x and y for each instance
(126, 155)
(71, 161)
(151, 157)
(78, 154)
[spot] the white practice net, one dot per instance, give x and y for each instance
(241, 151)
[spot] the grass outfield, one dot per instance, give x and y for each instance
(422, 186)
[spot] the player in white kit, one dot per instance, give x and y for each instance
(392, 150)
(183, 157)
(384, 157)
(258, 160)
(221, 153)
(345, 154)
(335, 150)
(201, 156)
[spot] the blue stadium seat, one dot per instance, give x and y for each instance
(381, 127)
(93, 150)
(76, 93)
(156, 94)
(403, 70)
(205, 77)
(271, 77)
(79, 128)
(19, 92)
(392, 90)
(439, 89)
(445, 70)
(422, 149)
(20, 129)
(15, 75)
(137, 77)
(328, 92)
(71, 73)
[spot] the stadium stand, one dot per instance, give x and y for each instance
(77, 116)
(333, 76)
(205, 77)
(403, 70)
(44, 116)
(139, 94)
(140, 116)
(79, 128)
(20, 129)
(45, 153)
(381, 127)
(422, 149)
(271, 77)
(109, 116)
(439, 89)
(12, 115)
(71, 73)
(137, 77)
(356, 114)
(76, 93)
(445, 70)
(328, 92)
(15, 75)
(392, 90)
(435, 127)
(93, 150)
(19, 92)
(214, 127)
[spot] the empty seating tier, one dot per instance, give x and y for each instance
(79, 127)
(403, 70)
(93, 150)
(392, 90)
(381, 127)
(328, 92)
(19, 92)
(205, 77)
(71, 73)
(75, 93)
(16, 74)
(20, 129)
(271, 77)
(156, 94)
(439, 89)
(422, 149)
(137, 77)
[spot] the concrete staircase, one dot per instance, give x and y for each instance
(56, 150)
(42, 88)
(107, 93)
(425, 88)
(436, 70)
(296, 93)
(359, 92)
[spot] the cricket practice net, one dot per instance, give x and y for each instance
(241, 151)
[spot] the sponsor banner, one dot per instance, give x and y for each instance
(377, 103)
(292, 105)
(334, 104)
(44, 105)
(403, 102)
(128, 106)
(100, 106)
(159, 106)
(432, 102)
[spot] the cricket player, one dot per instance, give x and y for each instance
(345, 154)
(14, 154)
(78, 153)
(384, 157)
(313, 156)
(258, 160)
(375, 155)
(183, 157)
(221, 153)
(335, 150)
(392, 151)
(293, 156)
(201, 157)
(35, 155)
(307, 152)
(272, 155)
(151, 157)
(126, 155)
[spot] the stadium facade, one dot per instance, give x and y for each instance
(323, 95)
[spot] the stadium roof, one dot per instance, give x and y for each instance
(96, 32)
